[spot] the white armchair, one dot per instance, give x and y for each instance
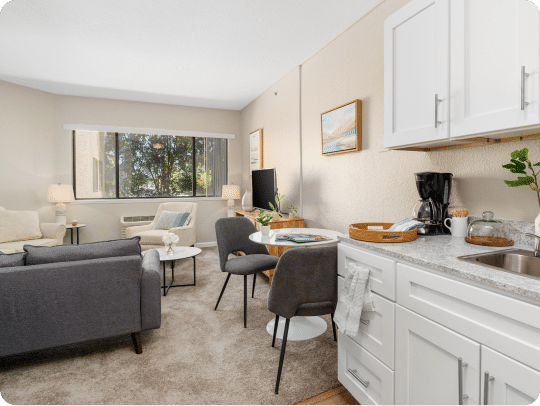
(151, 238)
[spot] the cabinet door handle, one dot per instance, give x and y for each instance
(461, 365)
(524, 75)
(437, 101)
(354, 373)
(366, 322)
(487, 378)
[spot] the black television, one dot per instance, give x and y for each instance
(264, 187)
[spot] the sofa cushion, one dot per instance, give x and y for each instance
(152, 237)
(171, 219)
(65, 253)
(18, 246)
(8, 260)
(19, 225)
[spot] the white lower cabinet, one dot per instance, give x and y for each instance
(365, 377)
(508, 382)
(434, 365)
(432, 339)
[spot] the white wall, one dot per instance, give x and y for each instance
(36, 150)
(27, 146)
(369, 185)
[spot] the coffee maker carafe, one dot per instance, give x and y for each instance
(434, 190)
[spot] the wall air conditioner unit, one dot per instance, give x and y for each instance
(130, 221)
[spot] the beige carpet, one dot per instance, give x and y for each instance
(198, 356)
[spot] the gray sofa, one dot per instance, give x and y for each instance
(52, 296)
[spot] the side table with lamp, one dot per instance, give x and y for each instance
(230, 193)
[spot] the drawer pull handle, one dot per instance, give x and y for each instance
(437, 101)
(363, 321)
(524, 75)
(354, 373)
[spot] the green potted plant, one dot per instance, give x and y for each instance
(276, 208)
(264, 219)
(293, 211)
(520, 163)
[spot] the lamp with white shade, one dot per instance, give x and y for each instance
(60, 194)
(230, 193)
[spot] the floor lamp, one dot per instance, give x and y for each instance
(230, 193)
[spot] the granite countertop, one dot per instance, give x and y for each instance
(441, 252)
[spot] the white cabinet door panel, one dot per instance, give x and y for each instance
(416, 69)
(491, 41)
(376, 333)
(511, 383)
(427, 367)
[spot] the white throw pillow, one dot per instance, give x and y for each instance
(19, 226)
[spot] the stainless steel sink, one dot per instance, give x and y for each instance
(516, 261)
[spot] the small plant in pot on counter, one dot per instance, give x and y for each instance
(520, 164)
(264, 220)
(293, 212)
(277, 207)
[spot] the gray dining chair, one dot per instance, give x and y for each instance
(232, 234)
(304, 284)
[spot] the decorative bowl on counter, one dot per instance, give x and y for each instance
(489, 232)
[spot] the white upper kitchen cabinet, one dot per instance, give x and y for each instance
(416, 77)
(508, 381)
(495, 66)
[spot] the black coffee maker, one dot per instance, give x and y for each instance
(434, 189)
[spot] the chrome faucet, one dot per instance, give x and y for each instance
(536, 244)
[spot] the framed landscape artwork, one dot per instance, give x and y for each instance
(256, 150)
(341, 129)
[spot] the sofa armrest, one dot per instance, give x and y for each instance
(55, 231)
(131, 231)
(150, 291)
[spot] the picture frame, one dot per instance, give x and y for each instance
(341, 129)
(255, 150)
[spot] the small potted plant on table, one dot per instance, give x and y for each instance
(276, 208)
(293, 211)
(264, 219)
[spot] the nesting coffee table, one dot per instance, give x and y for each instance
(178, 254)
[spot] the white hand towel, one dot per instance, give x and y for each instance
(355, 297)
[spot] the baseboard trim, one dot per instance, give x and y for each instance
(206, 244)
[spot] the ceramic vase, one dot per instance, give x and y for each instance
(247, 201)
(291, 216)
(275, 216)
(537, 225)
(265, 230)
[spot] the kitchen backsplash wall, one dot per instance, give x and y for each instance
(369, 185)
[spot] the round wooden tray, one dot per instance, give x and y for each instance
(490, 241)
(360, 232)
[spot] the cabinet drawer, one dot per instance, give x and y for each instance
(364, 376)
(382, 271)
(500, 322)
(377, 329)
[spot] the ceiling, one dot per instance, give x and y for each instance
(205, 53)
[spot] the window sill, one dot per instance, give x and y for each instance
(148, 200)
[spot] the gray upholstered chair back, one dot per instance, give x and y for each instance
(303, 276)
(232, 234)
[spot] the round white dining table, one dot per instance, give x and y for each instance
(300, 327)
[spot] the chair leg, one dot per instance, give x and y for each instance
(254, 280)
(245, 301)
(275, 330)
(222, 290)
(137, 342)
(282, 356)
(333, 326)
